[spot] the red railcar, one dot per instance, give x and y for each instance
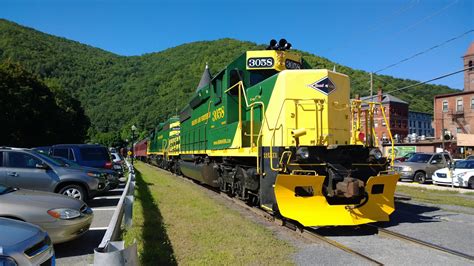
(139, 150)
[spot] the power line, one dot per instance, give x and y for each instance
(423, 52)
(380, 24)
(428, 17)
(385, 82)
(395, 14)
(433, 79)
(427, 81)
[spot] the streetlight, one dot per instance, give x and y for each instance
(134, 128)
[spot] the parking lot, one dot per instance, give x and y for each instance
(81, 250)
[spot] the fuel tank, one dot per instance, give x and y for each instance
(197, 168)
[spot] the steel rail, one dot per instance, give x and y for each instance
(421, 242)
(309, 233)
(306, 232)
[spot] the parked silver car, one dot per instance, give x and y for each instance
(64, 218)
(24, 244)
(421, 166)
(112, 177)
(25, 168)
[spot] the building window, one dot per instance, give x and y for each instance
(472, 103)
(459, 106)
(458, 130)
(445, 105)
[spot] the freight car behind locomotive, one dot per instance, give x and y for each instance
(140, 149)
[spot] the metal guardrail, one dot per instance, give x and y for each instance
(111, 250)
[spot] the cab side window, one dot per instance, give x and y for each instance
(71, 155)
(235, 77)
(437, 158)
(217, 85)
(61, 152)
(446, 157)
(22, 160)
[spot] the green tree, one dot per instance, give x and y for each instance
(30, 114)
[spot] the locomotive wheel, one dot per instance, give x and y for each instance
(420, 177)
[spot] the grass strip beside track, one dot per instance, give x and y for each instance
(438, 196)
(175, 222)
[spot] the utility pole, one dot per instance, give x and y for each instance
(442, 129)
(371, 85)
(371, 116)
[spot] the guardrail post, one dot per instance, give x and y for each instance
(128, 219)
(111, 250)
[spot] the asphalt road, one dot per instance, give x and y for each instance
(81, 250)
(426, 222)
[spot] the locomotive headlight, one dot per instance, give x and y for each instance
(302, 153)
(376, 153)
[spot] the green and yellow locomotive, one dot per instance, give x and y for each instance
(270, 130)
(163, 144)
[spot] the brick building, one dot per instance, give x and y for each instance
(454, 112)
(396, 111)
(420, 124)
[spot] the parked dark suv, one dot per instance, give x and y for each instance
(28, 169)
(90, 155)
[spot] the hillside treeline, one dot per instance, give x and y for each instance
(118, 91)
(35, 114)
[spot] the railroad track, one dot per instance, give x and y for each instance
(312, 235)
(306, 232)
(395, 235)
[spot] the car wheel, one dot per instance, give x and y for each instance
(73, 191)
(420, 177)
(470, 183)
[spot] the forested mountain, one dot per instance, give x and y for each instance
(34, 114)
(118, 91)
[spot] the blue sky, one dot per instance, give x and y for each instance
(364, 34)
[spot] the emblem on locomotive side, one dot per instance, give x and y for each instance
(324, 85)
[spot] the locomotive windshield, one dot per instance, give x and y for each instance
(261, 75)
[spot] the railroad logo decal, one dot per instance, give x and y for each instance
(324, 85)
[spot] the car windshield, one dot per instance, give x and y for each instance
(6, 190)
(465, 164)
(408, 155)
(66, 162)
(49, 159)
(420, 158)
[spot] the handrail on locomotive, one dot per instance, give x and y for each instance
(356, 108)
